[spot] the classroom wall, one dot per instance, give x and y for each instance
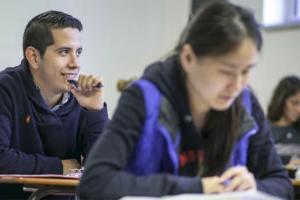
(121, 37)
(280, 55)
(127, 35)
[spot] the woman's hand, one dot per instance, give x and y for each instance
(238, 179)
(212, 184)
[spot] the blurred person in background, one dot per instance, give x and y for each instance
(284, 116)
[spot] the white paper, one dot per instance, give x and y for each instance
(246, 195)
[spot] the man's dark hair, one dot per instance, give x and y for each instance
(38, 30)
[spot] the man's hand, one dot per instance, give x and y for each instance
(238, 179)
(70, 164)
(87, 95)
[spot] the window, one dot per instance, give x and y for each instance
(281, 13)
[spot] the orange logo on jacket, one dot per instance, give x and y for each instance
(190, 157)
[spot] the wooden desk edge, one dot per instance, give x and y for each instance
(295, 182)
(40, 181)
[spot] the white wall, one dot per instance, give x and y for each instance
(280, 55)
(126, 35)
(120, 37)
(14, 16)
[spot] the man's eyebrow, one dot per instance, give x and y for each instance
(68, 48)
(62, 48)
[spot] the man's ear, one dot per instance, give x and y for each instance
(187, 57)
(33, 57)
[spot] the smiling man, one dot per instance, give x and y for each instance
(47, 125)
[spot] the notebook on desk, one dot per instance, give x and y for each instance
(4, 176)
(72, 174)
(247, 195)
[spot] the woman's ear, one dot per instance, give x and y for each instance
(33, 57)
(187, 57)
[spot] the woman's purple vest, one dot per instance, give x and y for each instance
(156, 150)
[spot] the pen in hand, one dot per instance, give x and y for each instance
(74, 82)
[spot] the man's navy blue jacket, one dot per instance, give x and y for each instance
(33, 138)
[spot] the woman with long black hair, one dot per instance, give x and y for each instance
(190, 124)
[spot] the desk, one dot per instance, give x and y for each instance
(296, 185)
(43, 185)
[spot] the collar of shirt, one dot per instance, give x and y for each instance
(64, 99)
